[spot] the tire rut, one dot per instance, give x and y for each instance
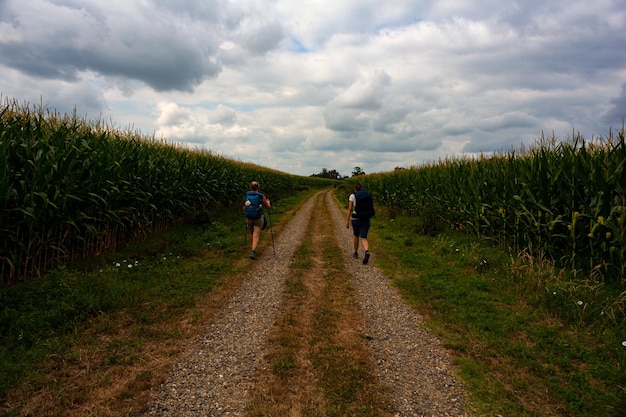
(219, 372)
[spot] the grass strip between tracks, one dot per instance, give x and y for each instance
(318, 361)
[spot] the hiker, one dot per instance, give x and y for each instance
(360, 210)
(254, 202)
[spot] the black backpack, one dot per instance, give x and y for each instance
(364, 205)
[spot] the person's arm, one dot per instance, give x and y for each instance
(266, 202)
(350, 206)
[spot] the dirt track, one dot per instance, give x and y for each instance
(230, 369)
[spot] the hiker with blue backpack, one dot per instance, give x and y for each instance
(360, 211)
(254, 203)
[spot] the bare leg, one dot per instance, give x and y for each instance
(256, 231)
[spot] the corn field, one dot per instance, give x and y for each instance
(565, 199)
(71, 188)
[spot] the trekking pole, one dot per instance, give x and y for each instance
(271, 230)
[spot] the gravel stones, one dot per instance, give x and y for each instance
(217, 371)
(411, 361)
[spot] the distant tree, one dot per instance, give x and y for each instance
(326, 173)
(357, 171)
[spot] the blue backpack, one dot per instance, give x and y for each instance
(253, 205)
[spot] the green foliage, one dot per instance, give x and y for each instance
(40, 316)
(356, 171)
(566, 199)
(329, 174)
(541, 334)
(71, 188)
(529, 339)
(147, 283)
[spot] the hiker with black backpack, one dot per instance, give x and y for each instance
(253, 204)
(360, 211)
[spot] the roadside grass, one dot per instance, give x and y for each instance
(93, 338)
(319, 366)
(339, 356)
(528, 340)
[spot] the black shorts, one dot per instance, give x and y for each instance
(360, 227)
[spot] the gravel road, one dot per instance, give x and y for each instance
(217, 371)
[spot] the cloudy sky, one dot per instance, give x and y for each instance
(301, 85)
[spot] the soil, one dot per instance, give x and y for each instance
(267, 351)
(309, 331)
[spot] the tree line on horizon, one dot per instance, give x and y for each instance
(335, 175)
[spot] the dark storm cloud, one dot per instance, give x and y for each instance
(617, 114)
(167, 45)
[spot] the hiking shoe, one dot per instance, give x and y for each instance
(367, 258)
(356, 255)
(253, 255)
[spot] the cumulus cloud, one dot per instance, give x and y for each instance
(617, 113)
(164, 45)
(171, 114)
(507, 121)
(258, 34)
(356, 108)
(210, 127)
(299, 86)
